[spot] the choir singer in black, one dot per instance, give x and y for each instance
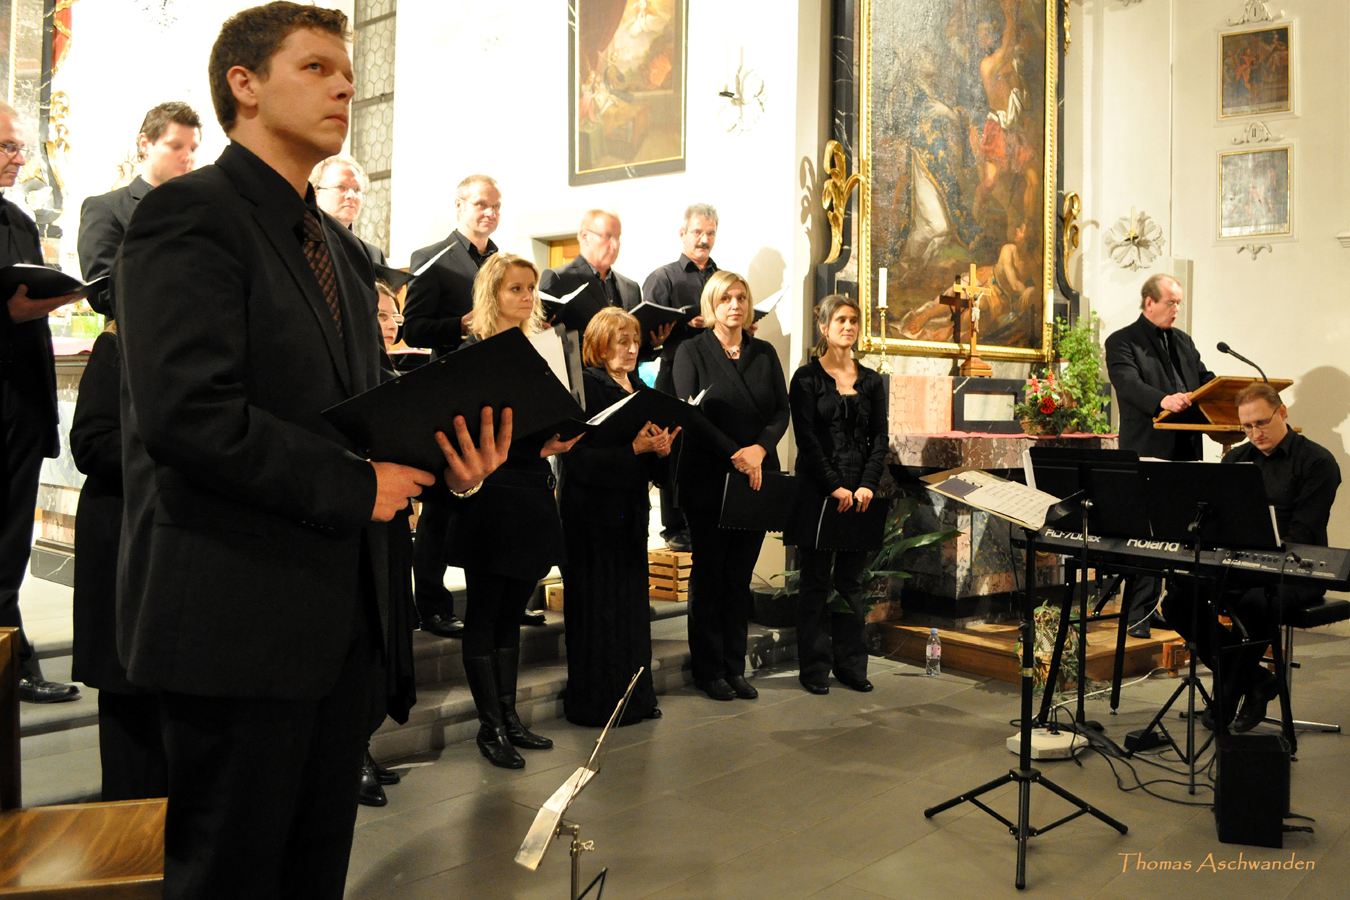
(839, 412)
(605, 500)
(747, 399)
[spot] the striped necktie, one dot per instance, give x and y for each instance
(316, 251)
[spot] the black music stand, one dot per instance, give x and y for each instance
(1204, 505)
(1112, 506)
(1024, 775)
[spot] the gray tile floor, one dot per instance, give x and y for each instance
(795, 796)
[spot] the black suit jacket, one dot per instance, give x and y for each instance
(583, 307)
(675, 284)
(26, 361)
(247, 546)
(103, 223)
(439, 298)
(749, 404)
(1142, 377)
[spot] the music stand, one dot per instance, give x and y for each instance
(1204, 505)
(1024, 775)
(548, 822)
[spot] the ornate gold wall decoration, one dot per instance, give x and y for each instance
(1073, 207)
(834, 194)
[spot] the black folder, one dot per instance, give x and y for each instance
(620, 422)
(767, 509)
(652, 316)
(398, 421)
(395, 278)
(45, 282)
(852, 530)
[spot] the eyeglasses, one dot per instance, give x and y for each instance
(11, 148)
(340, 188)
(1258, 426)
(386, 317)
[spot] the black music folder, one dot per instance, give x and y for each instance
(620, 422)
(395, 278)
(852, 530)
(652, 316)
(398, 421)
(766, 509)
(45, 282)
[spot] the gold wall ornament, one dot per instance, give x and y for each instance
(1073, 208)
(1068, 37)
(834, 194)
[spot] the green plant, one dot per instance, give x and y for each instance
(1071, 401)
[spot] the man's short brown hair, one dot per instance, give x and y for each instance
(1258, 390)
(1152, 288)
(252, 37)
(157, 120)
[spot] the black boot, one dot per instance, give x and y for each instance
(508, 664)
(493, 742)
(370, 792)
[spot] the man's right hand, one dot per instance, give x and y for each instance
(471, 464)
(1176, 402)
(395, 485)
(23, 308)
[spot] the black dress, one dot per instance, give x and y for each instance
(605, 510)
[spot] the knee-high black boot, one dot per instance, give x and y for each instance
(508, 664)
(492, 737)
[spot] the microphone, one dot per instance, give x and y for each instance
(1224, 348)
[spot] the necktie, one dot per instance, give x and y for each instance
(316, 251)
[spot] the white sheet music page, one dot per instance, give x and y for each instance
(1008, 499)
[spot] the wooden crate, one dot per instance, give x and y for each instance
(553, 597)
(668, 574)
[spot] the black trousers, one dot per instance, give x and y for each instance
(429, 591)
(25, 432)
(262, 793)
(719, 595)
(131, 747)
(492, 611)
(1144, 597)
(828, 639)
(672, 519)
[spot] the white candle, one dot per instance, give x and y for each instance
(881, 288)
(1132, 230)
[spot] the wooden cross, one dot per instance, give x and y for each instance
(958, 298)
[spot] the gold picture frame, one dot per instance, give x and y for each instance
(929, 102)
(1256, 197)
(1256, 72)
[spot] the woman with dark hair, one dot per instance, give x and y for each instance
(605, 503)
(505, 534)
(839, 411)
(747, 400)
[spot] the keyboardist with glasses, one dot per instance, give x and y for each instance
(1300, 479)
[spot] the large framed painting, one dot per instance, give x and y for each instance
(958, 136)
(1254, 72)
(626, 88)
(1254, 193)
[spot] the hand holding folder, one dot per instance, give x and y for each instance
(766, 509)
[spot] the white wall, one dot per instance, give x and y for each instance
(1142, 130)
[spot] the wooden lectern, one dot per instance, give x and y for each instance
(1212, 410)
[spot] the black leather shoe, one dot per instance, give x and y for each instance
(534, 617)
(654, 714)
(522, 737)
(679, 542)
(36, 689)
(382, 775)
(742, 688)
(370, 793)
(444, 624)
(717, 689)
(496, 747)
(862, 686)
(814, 688)
(1140, 630)
(1254, 704)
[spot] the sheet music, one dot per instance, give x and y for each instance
(550, 347)
(610, 410)
(1024, 505)
(427, 265)
(545, 295)
(765, 306)
(695, 401)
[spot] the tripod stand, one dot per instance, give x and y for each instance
(1024, 775)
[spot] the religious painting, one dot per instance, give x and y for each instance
(626, 89)
(957, 128)
(1254, 72)
(1254, 196)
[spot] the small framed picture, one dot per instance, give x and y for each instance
(1255, 199)
(1254, 72)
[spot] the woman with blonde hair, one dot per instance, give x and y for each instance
(747, 400)
(605, 507)
(505, 535)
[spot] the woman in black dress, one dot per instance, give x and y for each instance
(747, 400)
(605, 507)
(839, 420)
(505, 534)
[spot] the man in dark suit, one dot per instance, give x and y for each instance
(1153, 366)
(27, 413)
(676, 285)
(599, 238)
(340, 188)
(252, 576)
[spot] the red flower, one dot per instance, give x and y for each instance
(1047, 406)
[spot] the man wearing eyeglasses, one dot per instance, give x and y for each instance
(1154, 366)
(340, 188)
(599, 237)
(1300, 478)
(27, 412)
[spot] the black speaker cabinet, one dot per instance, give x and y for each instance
(1251, 791)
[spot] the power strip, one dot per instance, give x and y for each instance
(1049, 745)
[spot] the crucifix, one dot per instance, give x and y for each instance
(960, 297)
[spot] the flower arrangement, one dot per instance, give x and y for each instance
(1071, 401)
(1049, 407)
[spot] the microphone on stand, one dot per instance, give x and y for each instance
(1224, 348)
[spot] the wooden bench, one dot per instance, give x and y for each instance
(85, 850)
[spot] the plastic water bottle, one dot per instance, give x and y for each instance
(933, 655)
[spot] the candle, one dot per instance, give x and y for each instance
(1132, 231)
(881, 288)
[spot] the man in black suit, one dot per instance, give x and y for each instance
(676, 285)
(340, 188)
(436, 315)
(252, 576)
(599, 238)
(1153, 366)
(27, 413)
